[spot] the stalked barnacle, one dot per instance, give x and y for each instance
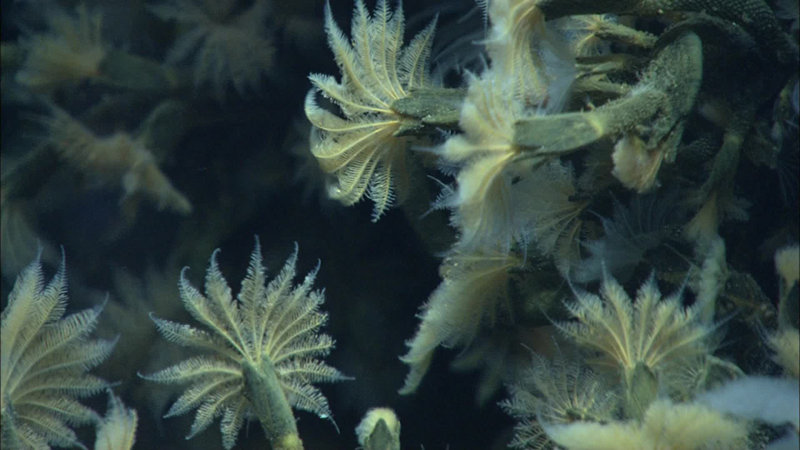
(263, 353)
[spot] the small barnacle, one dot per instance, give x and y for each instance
(45, 357)
(379, 429)
(584, 33)
(117, 430)
(262, 353)
(635, 165)
(589, 34)
(71, 51)
(229, 46)
(558, 392)
(362, 149)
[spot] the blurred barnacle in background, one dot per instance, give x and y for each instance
(116, 159)
(230, 44)
(18, 237)
(308, 176)
(128, 311)
(558, 392)
(547, 204)
(133, 299)
(499, 353)
(455, 52)
(69, 52)
(365, 150)
(632, 231)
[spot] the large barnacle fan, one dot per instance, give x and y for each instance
(473, 293)
(363, 149)
(646, 342)
(45, 357)
(263, 351)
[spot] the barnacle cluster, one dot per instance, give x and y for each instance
(607, 187)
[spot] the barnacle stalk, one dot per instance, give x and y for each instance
(663, 98)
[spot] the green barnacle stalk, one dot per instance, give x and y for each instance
(432, 107)
(664, 96)
(262, 389)
(262, 353)
(755, 16)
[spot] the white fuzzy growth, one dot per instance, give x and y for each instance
(665, 425)
(771, 400)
